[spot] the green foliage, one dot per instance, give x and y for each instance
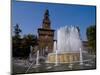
(30, 40)
(91, 36)
(16, 39)
(21, 46)
(17, 31)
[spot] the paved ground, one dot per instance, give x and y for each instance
(52, 68)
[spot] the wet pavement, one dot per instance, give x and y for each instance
(51, 67)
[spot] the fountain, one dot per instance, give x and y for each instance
(67, 54)
(55, 48)
(30, 55)
(37, 58)
(69, 46)
(81, 58)
(37, 63)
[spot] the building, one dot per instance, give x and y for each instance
(45, 35)
(86, 47)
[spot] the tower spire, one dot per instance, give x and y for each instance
(46, 20)
(47, 12)
(46, 35)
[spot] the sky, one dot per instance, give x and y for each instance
(29, 16)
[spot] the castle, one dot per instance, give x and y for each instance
(45, 35)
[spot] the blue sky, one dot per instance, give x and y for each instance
(29, 16)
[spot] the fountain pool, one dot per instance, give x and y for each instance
(67, 48)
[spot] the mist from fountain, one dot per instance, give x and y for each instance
(81, 58)
(68, 47)
(55, 49)
(68, 40)
(37, 58)
(30, 55)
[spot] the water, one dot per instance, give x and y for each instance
(68, 45)
(81, 57)
(37, 58)
(36, 65)
(56, 58)
(30, 55)
(51, 68)
(55, 49)
(68, 42)
(68, 39)
(55, 46)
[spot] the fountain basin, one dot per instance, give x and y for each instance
(63, 57)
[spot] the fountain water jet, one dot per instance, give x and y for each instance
(37, 63)
(30, 55)
(81, 58)
(56, 58)
(37, 58)
(68, 46)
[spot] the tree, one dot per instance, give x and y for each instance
(17, 31)
(21, 46)
(78, 31)
(27, 41)
(91, 36)
(16, 40)
(30, 40)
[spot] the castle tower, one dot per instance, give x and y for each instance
(45, 35)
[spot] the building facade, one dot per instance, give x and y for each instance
(45, 35)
